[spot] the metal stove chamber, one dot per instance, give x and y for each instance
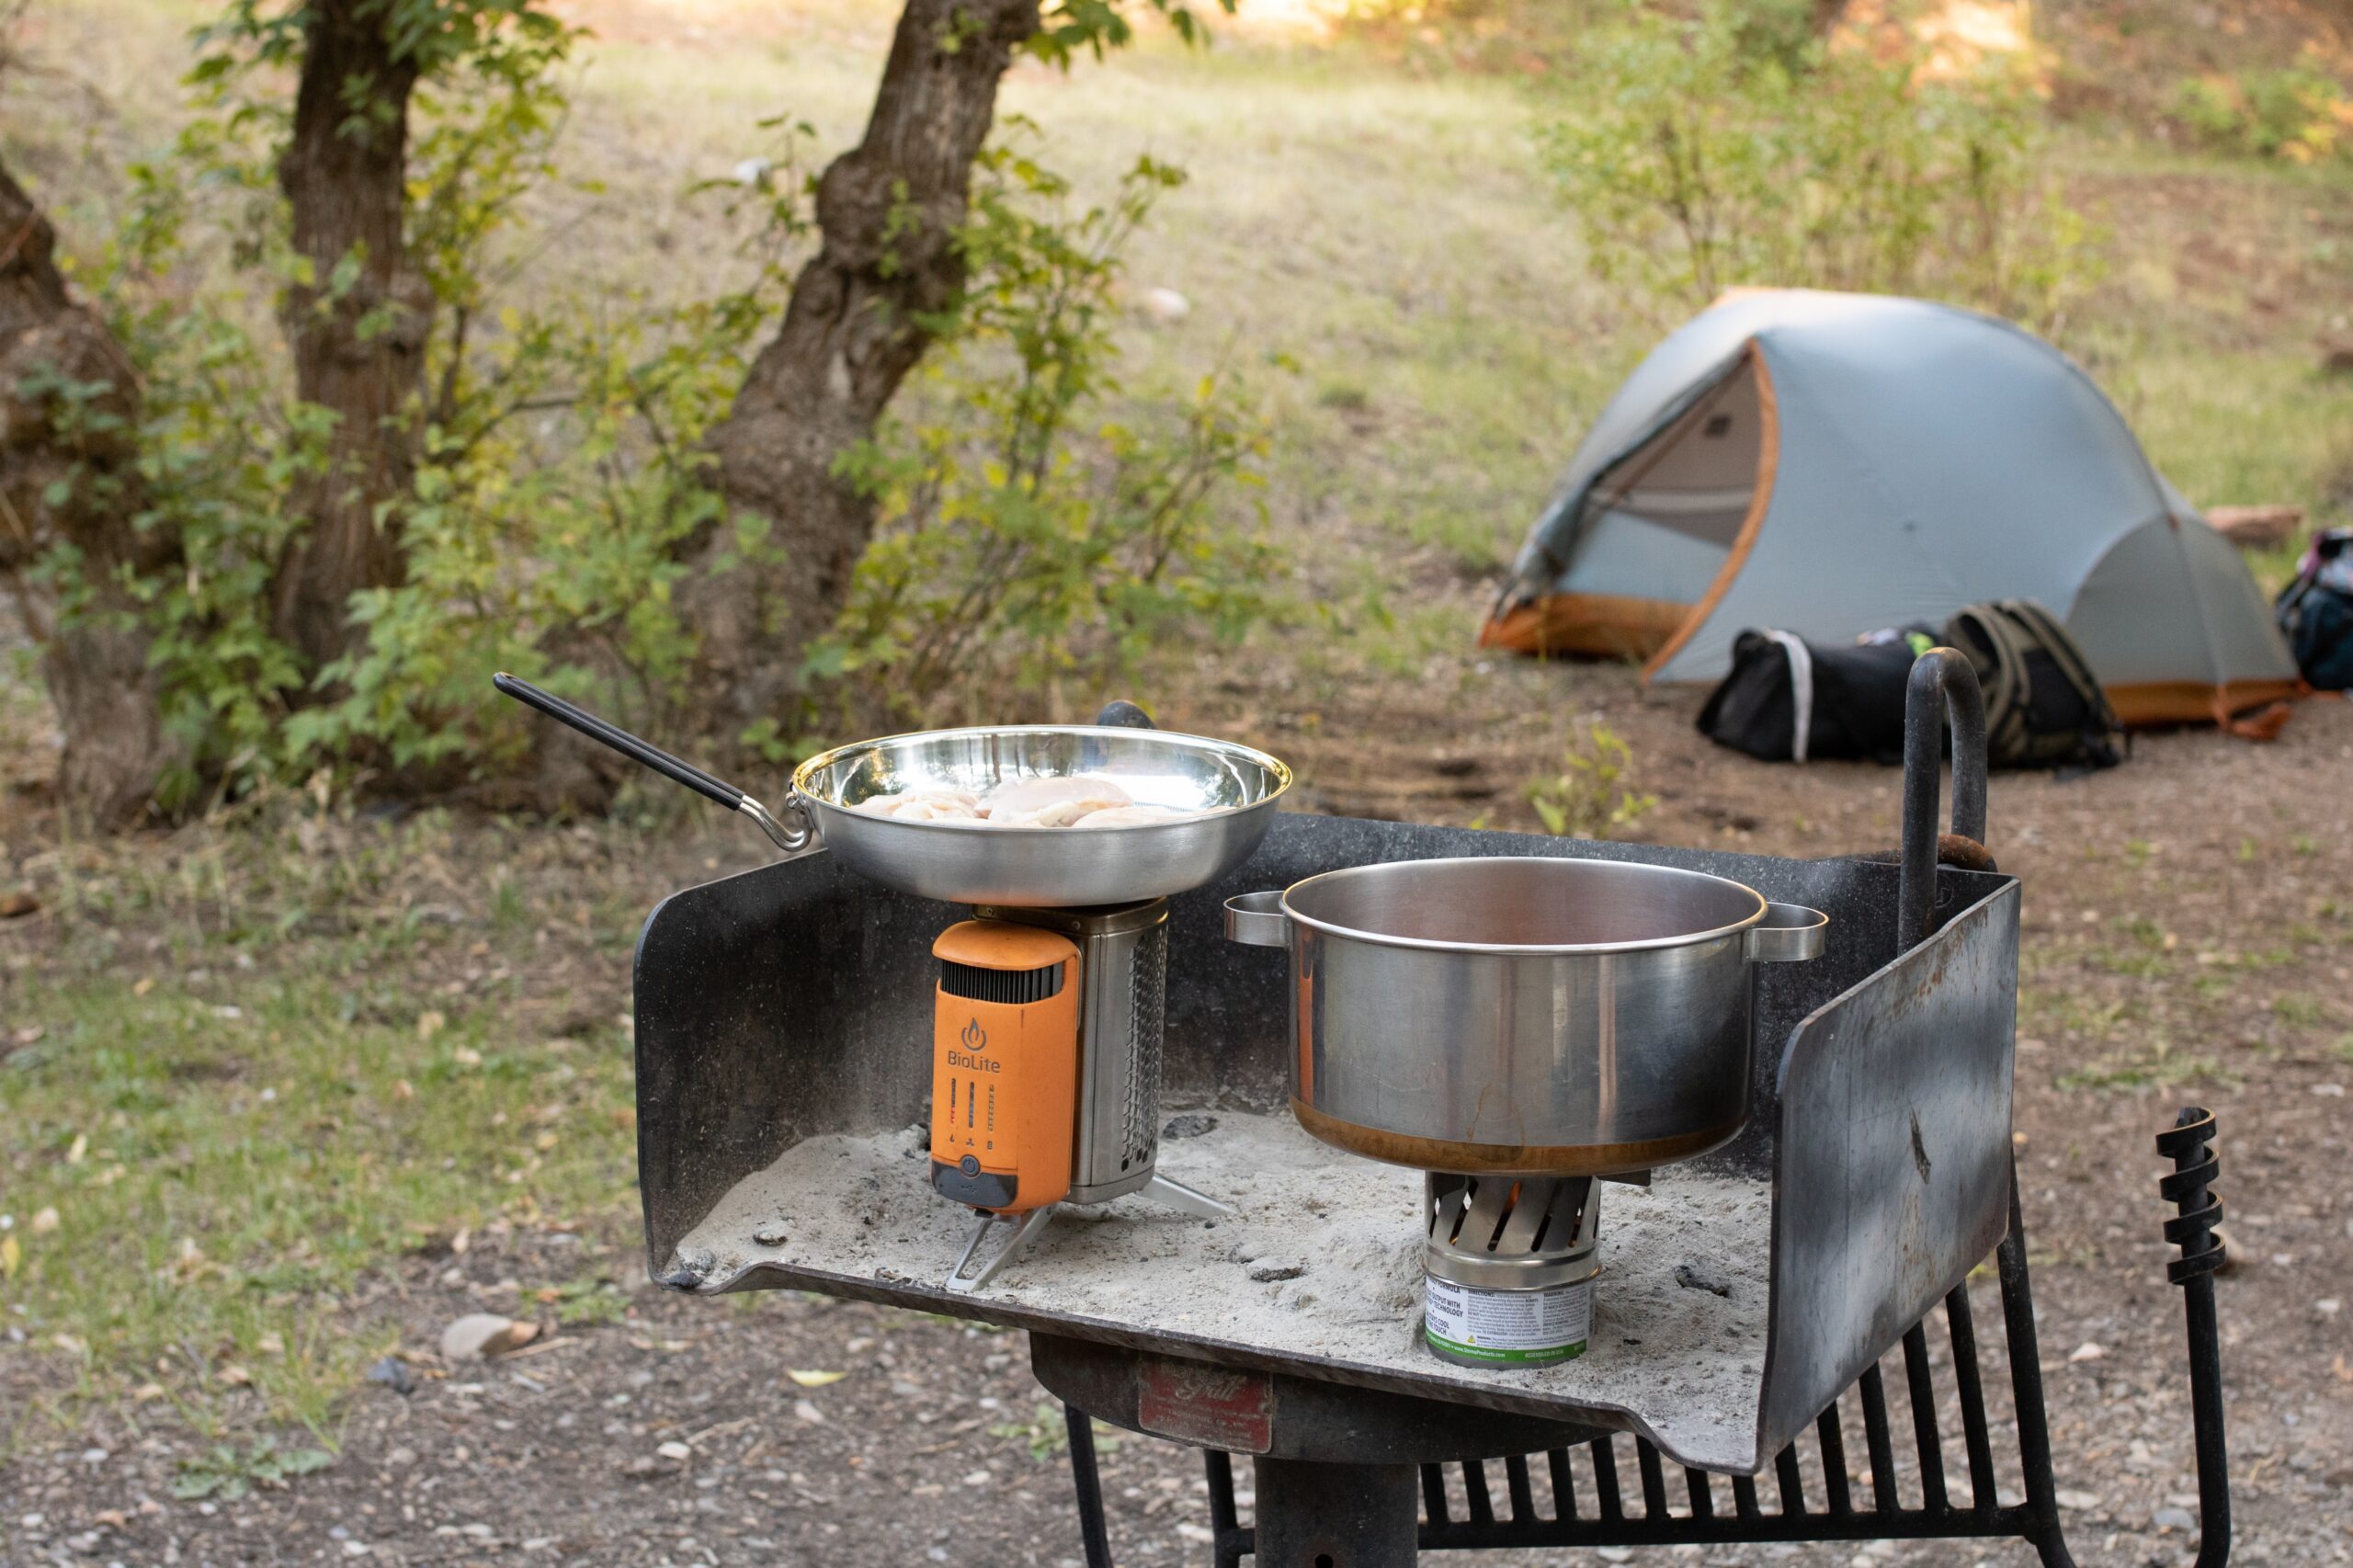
(1508, 1266)
(1124, 979)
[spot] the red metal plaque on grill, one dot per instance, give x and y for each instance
(1210, 1407)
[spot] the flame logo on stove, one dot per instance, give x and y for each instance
(975, 1038)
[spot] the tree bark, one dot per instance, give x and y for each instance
(888, 211)
(69, 477)
(358, 351)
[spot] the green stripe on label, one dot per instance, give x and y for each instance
(1507, 1358)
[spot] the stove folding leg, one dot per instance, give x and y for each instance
(1025, 1230)
(1185, 1201)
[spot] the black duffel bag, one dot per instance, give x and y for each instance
(1790, 700)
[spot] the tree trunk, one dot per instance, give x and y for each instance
(888, 211)
(359, 344)
(65, 482)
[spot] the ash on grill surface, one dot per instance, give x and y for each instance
(1688, 1364)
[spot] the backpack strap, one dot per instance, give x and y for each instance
(2069, 657)
(2000, 659)
(1800, 659)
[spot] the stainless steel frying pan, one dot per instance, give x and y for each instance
(1030, 868)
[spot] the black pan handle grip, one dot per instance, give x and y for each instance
(621, 741)
(1120, 714)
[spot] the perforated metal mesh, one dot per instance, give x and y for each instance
(1148, 1025)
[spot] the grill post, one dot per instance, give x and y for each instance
(1087, 1481)
(1334, 1516)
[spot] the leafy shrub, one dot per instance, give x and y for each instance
(1593, 797)
(1729, 147)
(561, 456)
(2300, 114)
(1026, 535)
(1029, 535)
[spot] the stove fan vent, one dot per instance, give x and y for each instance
(1008, 987)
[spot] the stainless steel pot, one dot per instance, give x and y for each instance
(1542, 1016)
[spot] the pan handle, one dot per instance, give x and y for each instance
(791, 838)
(1789, 933)
(621, 741)
(1256, 919)
(1121, 714)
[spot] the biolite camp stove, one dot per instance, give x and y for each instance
(1046, 1078)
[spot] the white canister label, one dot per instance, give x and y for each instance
(1519, 1328)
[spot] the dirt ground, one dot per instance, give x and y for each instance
(2187, 937)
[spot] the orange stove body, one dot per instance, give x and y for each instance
(1003, 1066)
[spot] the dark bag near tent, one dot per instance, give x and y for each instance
(2043, 705)
(1790, 700)
(2315, 612)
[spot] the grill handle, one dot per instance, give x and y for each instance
(1943, 693)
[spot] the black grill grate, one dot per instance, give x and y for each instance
(1012, 987)
(1813, 1497)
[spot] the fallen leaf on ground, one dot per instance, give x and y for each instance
(17, 902)
(816, 1380)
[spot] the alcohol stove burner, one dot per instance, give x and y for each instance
(1123, 974)
(1508, 1265)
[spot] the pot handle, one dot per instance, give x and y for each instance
(1790, 933)
(1256, 919)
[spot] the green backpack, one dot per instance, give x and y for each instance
(2043, 705)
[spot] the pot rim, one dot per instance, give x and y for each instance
(1526, 949)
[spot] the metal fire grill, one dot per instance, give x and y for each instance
(783, 1014)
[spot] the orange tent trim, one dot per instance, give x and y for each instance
(2143, 703)
(1768, 466)
(1596, 626)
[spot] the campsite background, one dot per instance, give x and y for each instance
(331, 1047)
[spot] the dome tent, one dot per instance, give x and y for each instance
(1830, 464)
